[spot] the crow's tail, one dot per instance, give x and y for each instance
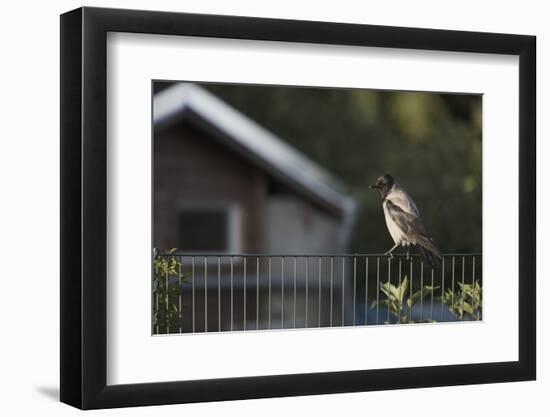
(433, 259)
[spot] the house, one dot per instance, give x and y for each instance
(225, 185)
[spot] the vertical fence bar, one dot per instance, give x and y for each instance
(269, 294)
(319, 306)
(432, 300)
(231, 283)
(157, 312)
(343, 289)
(463, 267)
(244, 293)
(377, 289)
(422, 291)
(294, 308)
(401, 301)
(411, 270)
(442, 285)
(257, 293)
(193, 291)
(354, 286)
(389, 283)
(453, 283)
(473, 284)
(205, 294)
(282, 292)
(167, 298)
(366, 290)
(219, 296)
(331, 278)
(307, 288)
(179, 293)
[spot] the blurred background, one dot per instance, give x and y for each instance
(430, 142)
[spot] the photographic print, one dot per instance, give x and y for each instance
(324, 191)
(278, 207)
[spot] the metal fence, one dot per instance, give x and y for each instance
(198, 293)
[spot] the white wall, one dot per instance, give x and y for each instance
(30, 203)
(295, 226)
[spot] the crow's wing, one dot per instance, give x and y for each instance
(412, 226)
(399, 197)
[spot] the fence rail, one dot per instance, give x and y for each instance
(198, 293)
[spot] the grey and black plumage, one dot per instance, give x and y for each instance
(404, 222)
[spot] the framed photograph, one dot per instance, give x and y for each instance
(256, 208)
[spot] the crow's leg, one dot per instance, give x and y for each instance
(391, 250)
(408, 252)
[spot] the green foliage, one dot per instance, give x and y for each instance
(395, 299)
(467, 300)
(167, 279)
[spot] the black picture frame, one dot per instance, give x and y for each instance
(84, 207)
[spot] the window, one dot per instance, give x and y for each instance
(208, 227)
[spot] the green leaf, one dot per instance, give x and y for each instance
(424, 292)
(468, 308)
(393, 290)
(403, 288)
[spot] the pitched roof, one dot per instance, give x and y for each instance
(252, 141)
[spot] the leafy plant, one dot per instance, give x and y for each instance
(167, 279)
(395, 299)
(467, 300)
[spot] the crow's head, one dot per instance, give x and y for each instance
(383, 184)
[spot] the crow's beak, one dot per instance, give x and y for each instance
(373, 186)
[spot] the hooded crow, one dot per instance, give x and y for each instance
(404, 221)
